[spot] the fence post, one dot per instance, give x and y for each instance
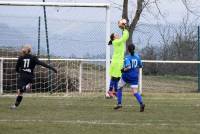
(80, 77)
(198, 59)
(1, 76)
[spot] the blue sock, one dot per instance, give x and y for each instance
(119, 96)
(139, 98)
(115, 85)
(111, 85)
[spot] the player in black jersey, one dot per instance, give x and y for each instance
(25, 67)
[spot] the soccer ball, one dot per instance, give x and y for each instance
(122, 22)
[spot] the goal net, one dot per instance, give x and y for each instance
(72, 37)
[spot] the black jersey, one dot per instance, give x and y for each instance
(26, 64)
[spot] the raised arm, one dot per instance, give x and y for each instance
(124, 37)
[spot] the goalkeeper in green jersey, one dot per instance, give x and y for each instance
(118, 57)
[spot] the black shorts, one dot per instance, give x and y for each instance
(23, 80)
(115, 78)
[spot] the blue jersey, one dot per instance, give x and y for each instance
(131, 75)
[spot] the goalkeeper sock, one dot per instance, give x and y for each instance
(111, 85)
(115, 85)
(139, 98)
(119, 96)
(18, 100)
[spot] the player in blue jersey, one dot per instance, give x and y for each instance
(130, 74)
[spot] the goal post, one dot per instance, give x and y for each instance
(105, 6)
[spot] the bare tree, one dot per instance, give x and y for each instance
(133, 21)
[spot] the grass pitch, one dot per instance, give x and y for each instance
(174, 113)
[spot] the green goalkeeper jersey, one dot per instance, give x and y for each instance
(118, 54)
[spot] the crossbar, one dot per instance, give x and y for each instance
(54, 4)
(103, 60)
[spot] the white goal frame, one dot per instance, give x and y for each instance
(63, 4)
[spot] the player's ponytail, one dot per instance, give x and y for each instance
(131, 49)
(112, 36)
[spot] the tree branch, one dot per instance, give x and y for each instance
(186, 4)
(125, 10)
(137, 14)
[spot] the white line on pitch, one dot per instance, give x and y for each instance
(99, 122)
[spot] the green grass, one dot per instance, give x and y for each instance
(170, 83)
(164, 114)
